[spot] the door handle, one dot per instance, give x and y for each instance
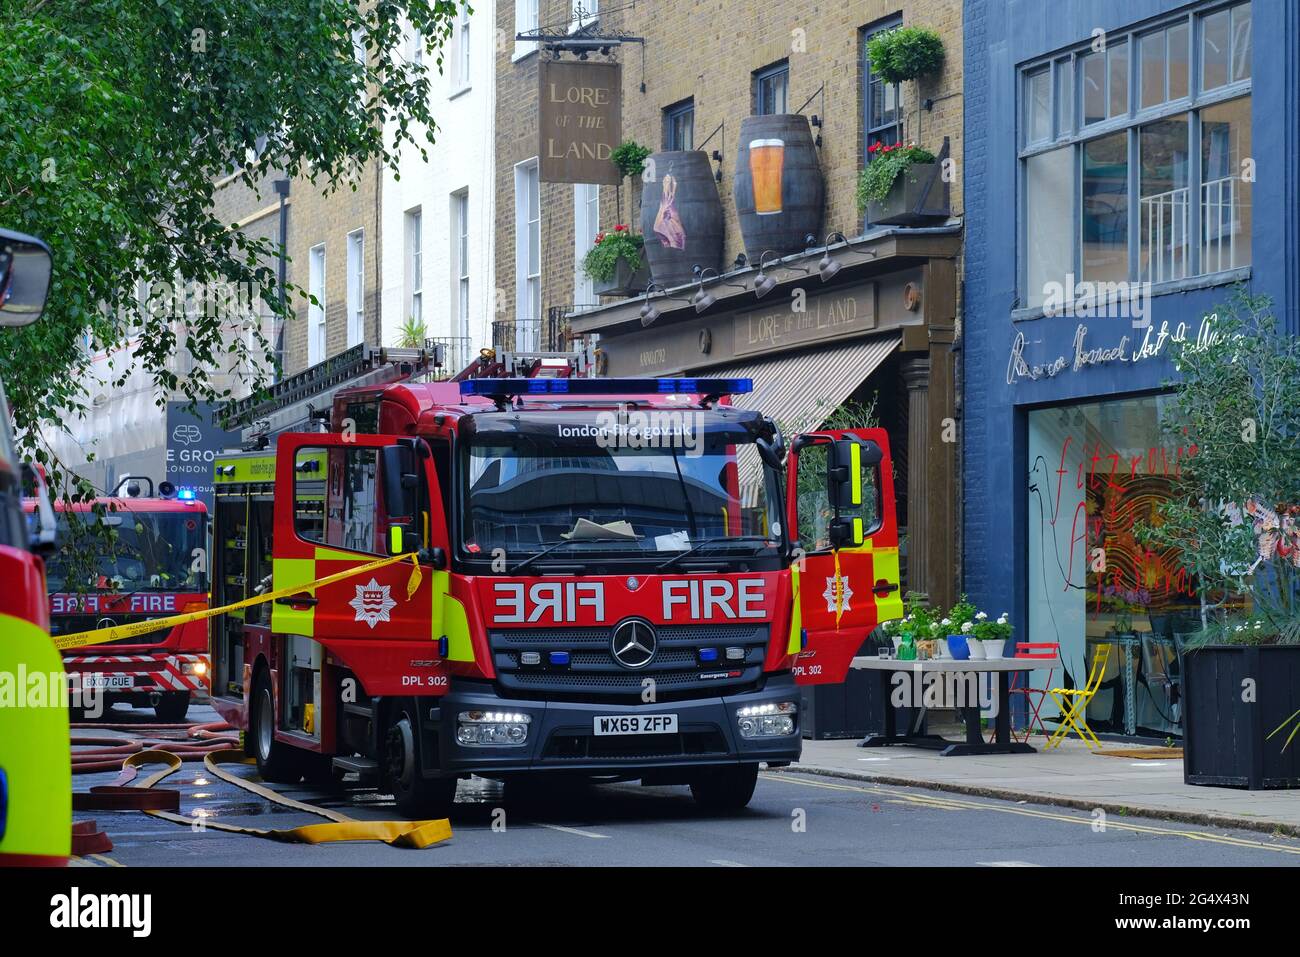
(885, 585)
(297, 600)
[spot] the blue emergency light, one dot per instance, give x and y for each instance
(501, 388)
(559, 657)
(186, 495)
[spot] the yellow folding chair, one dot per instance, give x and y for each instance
(1073, 703)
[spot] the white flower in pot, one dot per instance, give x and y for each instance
(974, 644)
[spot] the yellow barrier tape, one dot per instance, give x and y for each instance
(413, 834)
(101, 636)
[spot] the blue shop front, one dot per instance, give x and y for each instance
(1128, 165)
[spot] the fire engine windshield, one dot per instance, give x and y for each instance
(530, 491)
(138, 551)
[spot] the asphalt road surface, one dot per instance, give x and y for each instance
(794, 819)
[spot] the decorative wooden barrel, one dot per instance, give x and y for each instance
(681, 216)
(779, 189)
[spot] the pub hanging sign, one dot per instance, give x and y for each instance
(580, 121)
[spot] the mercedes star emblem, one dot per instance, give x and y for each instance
(633, 643)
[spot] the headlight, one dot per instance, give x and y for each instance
(492, 729)
(199, 668)
(767, 720)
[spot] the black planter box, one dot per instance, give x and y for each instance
(848, 710)
(1225, 739)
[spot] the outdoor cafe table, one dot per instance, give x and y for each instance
(974, 743)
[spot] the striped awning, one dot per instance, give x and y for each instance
(800, 391)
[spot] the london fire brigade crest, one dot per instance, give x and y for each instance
(829, 593)
(373, 603)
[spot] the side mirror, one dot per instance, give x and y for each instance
(401, 480)
(845, 462)
(25, 268)
(844, 471)
(402, 539)
(43, 527)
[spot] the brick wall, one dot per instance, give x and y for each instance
(316, 217)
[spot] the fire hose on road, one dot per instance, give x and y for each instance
(215, 750)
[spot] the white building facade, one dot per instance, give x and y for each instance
(436, 258)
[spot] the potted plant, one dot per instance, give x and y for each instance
(614, 263)
(629, 157)
(1234, 516)
(992, 635)
(906, 53)
(961, 623)
(894, 184)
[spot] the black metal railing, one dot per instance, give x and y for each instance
(457, 351)
(548, 334)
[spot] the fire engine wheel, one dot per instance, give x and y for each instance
(276, 761)
(726, 788)
(172, 706)
(418, 797)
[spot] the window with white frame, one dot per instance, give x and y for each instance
(583, 12)
(586, 224)
(1136, 158)
(528, 255)
(316, 308)
(526, 20)
(462, 48)
(356, 286)
(414, 268)
(460, 219)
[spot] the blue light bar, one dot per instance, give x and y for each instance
(588, 387)
(186, 494)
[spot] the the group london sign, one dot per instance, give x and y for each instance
(580, 121)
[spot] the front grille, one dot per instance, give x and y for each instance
(593, 672)
(72, 624)
(576, 747)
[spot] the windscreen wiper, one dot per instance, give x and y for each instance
(525, 562)
(698, 546)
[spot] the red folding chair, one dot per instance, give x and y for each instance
(1044, 651)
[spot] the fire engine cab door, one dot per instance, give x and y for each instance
(335, 510)
(840, 499)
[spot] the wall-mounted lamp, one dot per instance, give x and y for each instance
(703, 299)
(828, 266)
(648, 312)
(763, 283)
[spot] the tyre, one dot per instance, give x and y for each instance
(172, 706)
(727, 788)
(418, 797)
(276, 761)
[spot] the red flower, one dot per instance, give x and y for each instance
(620, 228)
(873, 147)
(600, 238)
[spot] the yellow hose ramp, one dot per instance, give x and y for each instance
(414, 834)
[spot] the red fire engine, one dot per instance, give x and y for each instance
(152, 564)
(621, 579)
